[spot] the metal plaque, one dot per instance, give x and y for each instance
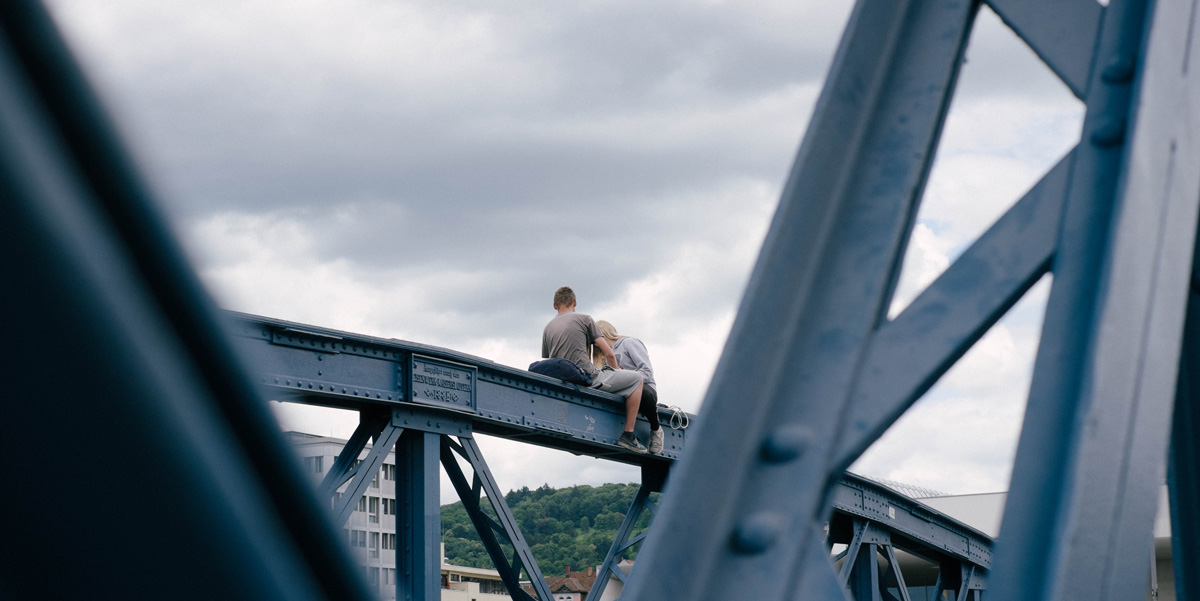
(443, 383)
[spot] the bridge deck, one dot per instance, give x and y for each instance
(319, 366)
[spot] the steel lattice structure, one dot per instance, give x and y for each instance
(1115, 222)
(110, 332)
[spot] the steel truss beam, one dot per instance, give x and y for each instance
(860, 567)
(814, 372)
(421, 437)
(360, 475)
(624, 541)
(309, 364)
(492, 531)
(1091, 455)
(910, 525)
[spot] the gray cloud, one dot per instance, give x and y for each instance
(435, 170)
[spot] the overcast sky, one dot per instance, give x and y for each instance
(433, 171)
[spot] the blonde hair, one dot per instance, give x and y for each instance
(610, 334)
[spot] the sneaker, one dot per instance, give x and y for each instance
(656, 441)
(630, 442)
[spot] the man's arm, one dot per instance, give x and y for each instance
(602, 342)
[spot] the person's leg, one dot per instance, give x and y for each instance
(650, 405)
(626, 384)
(650, 410)
(633, 404)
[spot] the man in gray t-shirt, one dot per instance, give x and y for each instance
(568, 335)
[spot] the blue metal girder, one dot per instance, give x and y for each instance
(1183, 473)
(864, 578)
(1090, 459)
(119, 383)
(418, 515)
(821, 287)
(912, 526)
(641, 503)
(309, 364)
(369, 427)
(366, 471)
(909, 353)
(1062, 33)
(813, 373)
(492, 531)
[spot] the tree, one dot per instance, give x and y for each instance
(571, 526)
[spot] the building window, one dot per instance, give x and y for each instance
(358, 538)
(389, 541)
(373, 510)
(373, 577)
(389, 471)
(374, 546)
(362, 504)
(375, 480)
(389, 507)
(314, 464)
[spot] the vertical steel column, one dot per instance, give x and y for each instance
(1084, 492)
(641, 502)
(864, 577)
(418, 517)
(1183, 471)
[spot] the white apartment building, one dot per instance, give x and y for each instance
(371, 529)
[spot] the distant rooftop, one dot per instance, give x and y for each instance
(908, 490)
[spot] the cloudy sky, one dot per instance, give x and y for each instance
(432, 171)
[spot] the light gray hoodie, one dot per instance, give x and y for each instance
(632, 354)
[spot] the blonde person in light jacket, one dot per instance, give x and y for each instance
(631, 354)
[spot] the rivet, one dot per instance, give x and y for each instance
(1119, 71)
(785, 444)
(1110, 134)
(757, 533)
(320, 373)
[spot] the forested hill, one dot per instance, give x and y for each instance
(564, 527)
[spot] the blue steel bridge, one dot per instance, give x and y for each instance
(140, 460)
(428, 402)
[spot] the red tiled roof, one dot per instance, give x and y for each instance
(575, 583)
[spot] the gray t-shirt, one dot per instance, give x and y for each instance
(567, 336)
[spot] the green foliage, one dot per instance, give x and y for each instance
(564, 527)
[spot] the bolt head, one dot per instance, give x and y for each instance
(758, 533)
